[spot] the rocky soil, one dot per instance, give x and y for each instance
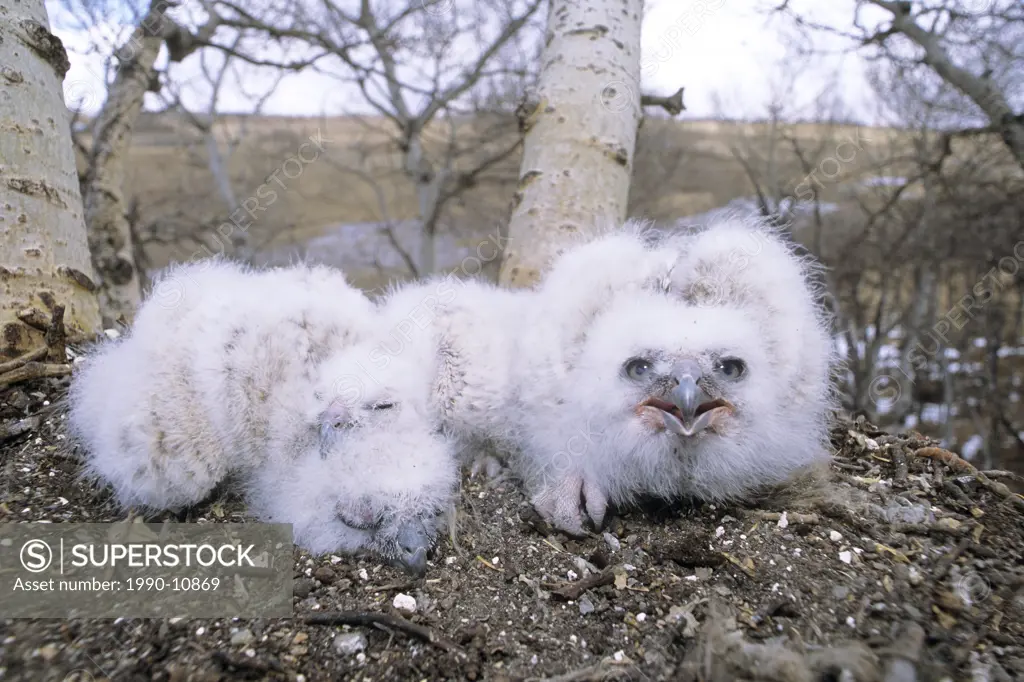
(905, 564)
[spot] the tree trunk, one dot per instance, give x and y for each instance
(44, 260)
(110, 236)
(580, 133)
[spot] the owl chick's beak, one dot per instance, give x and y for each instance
(413, 544)
(691, 409)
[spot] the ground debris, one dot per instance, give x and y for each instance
(932, 590)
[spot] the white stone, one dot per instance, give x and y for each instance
(404, 602)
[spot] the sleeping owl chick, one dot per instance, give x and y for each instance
(374, 470)
(710, 382)
(220, 376)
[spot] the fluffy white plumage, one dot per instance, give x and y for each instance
(268, 376)
(728, 312)
(473, 327)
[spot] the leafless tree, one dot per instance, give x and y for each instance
(973, 51)
(133, 73)
(425, 66)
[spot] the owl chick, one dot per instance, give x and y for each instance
(704, 376)
(231, 372)
(473, 328)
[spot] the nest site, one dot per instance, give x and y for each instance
(900, 563)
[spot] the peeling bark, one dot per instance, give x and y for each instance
(42, 233)
(580, 134)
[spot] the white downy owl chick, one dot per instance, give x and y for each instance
(222, 376)
(472, 327)
(710, 381)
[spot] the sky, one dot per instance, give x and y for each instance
(732, 59)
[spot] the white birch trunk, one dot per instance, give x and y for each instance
(44, 258)
(581, 134)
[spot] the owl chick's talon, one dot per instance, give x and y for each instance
(559, 505)
(596, 502)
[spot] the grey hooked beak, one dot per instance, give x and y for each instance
(688, 396)
(413, 543)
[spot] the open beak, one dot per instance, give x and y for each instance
(689, 409)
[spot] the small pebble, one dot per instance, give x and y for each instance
(586, 606)
(613, 542)
(846, 557)
(242, 637)
(325, 574)
(348, 643)
(835, 536)
(641, 617)
(404, 602)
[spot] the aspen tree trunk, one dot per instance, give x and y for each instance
(44, 258)
(110, 237)
(580, 134)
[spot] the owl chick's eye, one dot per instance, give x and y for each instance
(638, 368)
(382, 406)
(731, 368)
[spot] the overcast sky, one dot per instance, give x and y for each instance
(728, 55)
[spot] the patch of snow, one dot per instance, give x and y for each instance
(1009, 351)
(971, 447)
(910, 421)
(884, 181)
(932, 413)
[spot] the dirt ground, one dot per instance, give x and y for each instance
(903, 567)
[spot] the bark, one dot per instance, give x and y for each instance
(580, 134)
(985, 94)
(106, 212)
(44, 259)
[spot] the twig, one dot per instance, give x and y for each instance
(673, 104)
(34, 370)
(792, 517)
(31, 356)
(401, 587)
(605, 670)
(383, 620)
(56, 338)
(997, 473)
(34, 318)
(950, 459)
(574, 590)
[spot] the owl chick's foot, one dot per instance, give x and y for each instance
(560, 504)
(490, 467)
